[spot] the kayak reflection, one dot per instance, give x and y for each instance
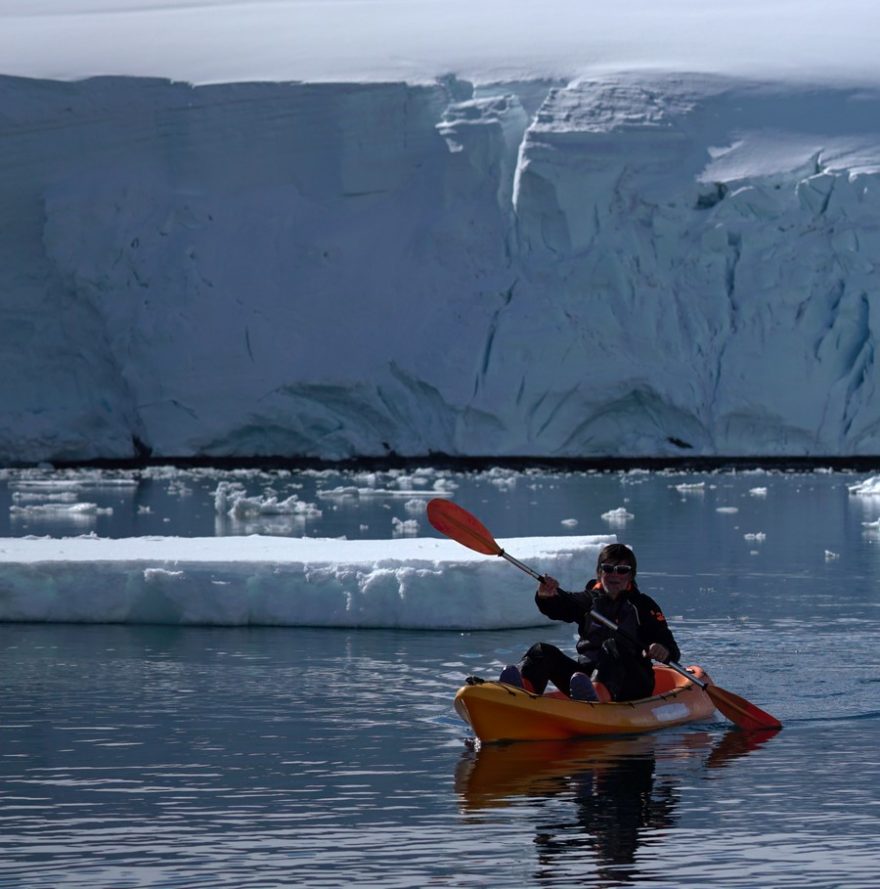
(624, 789)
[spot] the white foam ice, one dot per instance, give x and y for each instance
(422, 583)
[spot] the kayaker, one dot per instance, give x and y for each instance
(608, 666)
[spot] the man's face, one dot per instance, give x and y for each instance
(613, 581)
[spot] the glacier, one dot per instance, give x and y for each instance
(554, 263)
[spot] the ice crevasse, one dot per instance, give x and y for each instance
(629, 264)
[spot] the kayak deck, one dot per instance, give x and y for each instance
(499, 712)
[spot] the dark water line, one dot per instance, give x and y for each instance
(441, 461)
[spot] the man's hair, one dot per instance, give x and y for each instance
(617, 553)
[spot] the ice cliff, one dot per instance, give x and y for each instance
(627, 264)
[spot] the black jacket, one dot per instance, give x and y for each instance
(634, 612)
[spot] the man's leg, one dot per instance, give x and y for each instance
(544, 662)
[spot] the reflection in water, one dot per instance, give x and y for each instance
(622, 801)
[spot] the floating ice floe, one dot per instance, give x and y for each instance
(757, 536)
(870, 487)
(727, 509)
(423, 583)
(570, 523)
(758, 492)
(831, 556)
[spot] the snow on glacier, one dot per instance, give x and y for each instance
(414, 583)
(211, 41)
(551, 258)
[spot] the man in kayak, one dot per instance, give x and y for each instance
(609, 667)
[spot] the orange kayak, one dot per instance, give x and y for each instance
(499, 712)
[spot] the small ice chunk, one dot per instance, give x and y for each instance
(569, 523)
(617, 516)
(404, 528)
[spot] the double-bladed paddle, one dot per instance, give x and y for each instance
(463, 527)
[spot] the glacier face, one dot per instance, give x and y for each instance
(628, 265)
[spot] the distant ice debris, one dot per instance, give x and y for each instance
(415, 506)
(757, 536)
(758, 492)
(230, 499)
(353, 492)
(44, 497)
(727, 509)
(59, 511)
(45, 486)
(503, 479)
(245, 507)
(569, 523)
(340, 493)
(831, 556)
(696, 488)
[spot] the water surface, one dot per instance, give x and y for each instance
(261, 757)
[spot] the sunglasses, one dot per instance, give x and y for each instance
(607, 568)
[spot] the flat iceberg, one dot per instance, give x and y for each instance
(413, 583)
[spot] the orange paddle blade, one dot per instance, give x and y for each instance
(453, 521)
(740, 711)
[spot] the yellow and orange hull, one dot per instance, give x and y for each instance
(499, 712)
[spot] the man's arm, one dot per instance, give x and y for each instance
(557, 604)
(655, 631)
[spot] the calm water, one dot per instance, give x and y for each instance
(169, 757)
